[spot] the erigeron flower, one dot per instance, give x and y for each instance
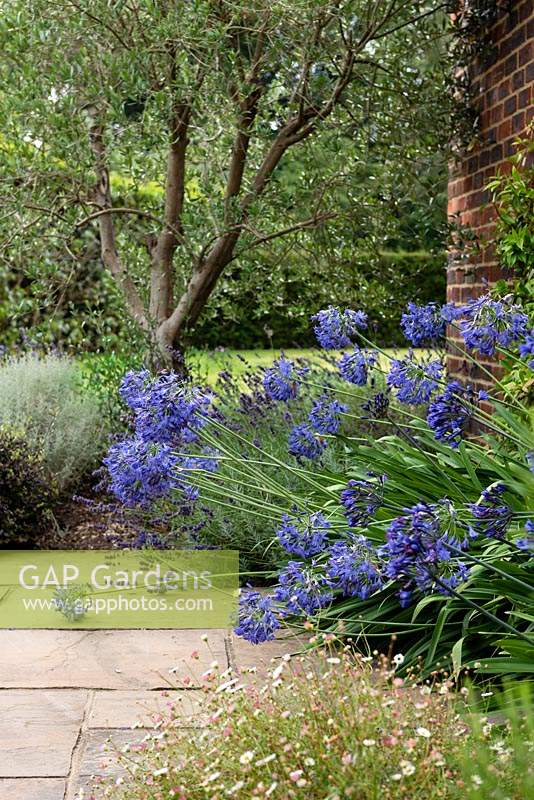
(424, 732)
(246, 757)
(295, 775)
(407, 768)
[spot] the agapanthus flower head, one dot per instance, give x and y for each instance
(302, 589)
(414, 380)
(305, 443)
(526, 347)
(354, 568)
(450, 412)
(354, 367)
(207, 460)
(492, 517)
(280, 381)
(423, 324)
(418, 551)
(377, 407)
(335, 329)
(258, 621)
(526, 543)
(361, 499)
(489, 323)
(166, 409)
(325, 416)
(141, 472)
(303, 534)
(450, 312)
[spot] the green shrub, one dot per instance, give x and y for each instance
(27, 495)
(40, 396)
(330, 729)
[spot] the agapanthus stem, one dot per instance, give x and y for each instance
(484, 611)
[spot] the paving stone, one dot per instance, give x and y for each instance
(126, 709)
(38, 731)
(32, 789)
(102, 747)
(264, 657)
(118, 659)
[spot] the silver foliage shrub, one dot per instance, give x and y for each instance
(40, 398)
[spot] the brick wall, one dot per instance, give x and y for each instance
(502, 87)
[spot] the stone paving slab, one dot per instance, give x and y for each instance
(126, 709)
(264, 657)
(101, 748)
(38, 732)
(32, 789)
(119, 659)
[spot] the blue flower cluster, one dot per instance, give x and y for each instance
(423, 324)
(415, 381)
(491, 516)
(166, 410)
(490, 323)
(258, 621)
(353, 568)
(526, 348)
(449, 413)
(280, 381)
(305, 443)
(302, 589)
(354, 367)
(141, 472)
(335, 329)
(325, 416)
(361, 500)
(418, 554)
(303, 534)
(526, 543)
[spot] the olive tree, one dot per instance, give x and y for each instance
(166, 125)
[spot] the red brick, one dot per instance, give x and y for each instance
(510, 106)
(504, 130)
(523, 98)
(518, 122)
(526, 53)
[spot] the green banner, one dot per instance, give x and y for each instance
(118, 588)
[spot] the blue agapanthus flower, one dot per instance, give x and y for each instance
(490, 323)
(449, 413)
(166, 409)
(353, 567)
(280, 381)
(303, 534)
(526, 543)
(302, 589)
(258, 621)
(335, 329)
(141, 472)
(526, 348)
(492, 517)
(418, 552)
(423, 324)
(414, 381)
(325, 416)
(354, 367)
(377, 407)
(450, 312)
(305, 443)
(362, 499)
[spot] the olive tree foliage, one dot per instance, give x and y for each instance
(181, 135)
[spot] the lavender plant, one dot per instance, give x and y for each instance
(420, 534)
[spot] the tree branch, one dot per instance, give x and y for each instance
(110, 256)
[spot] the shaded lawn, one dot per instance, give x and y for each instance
(206, 364)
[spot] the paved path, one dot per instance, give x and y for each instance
(64, 694)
